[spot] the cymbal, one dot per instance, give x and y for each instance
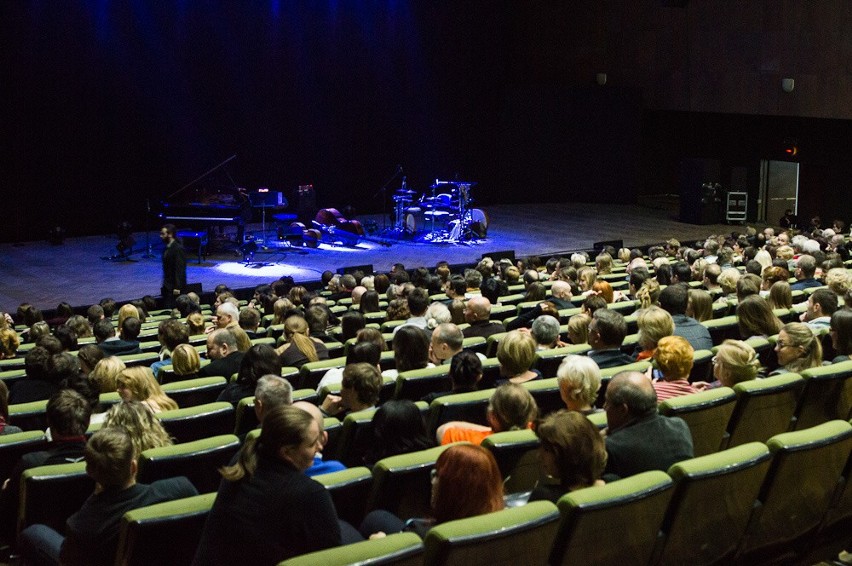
(401, 192)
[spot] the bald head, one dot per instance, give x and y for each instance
(314, 411)
(477, 308)
(561, 290)
(630, 395)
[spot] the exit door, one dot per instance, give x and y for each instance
(779, 189)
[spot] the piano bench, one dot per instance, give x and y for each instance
(194, 241)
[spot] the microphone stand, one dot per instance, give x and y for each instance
(383, 192)
(148, 254)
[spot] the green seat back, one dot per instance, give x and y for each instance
(194, 392)
(195, 423)
(349, 490)
(143, 359)
(702, 366)
(51, 494)
(827, 395)
(549, 360)
(164, 533)
(546, 395)
(29, 416)
(804, 475)
(519, 535)
(245, 419)
(493, 342)
(13, 446)
(764, 408)
(516, 453)
(707, 413)
(199, 461)
(400, 549)
(416, 384)
(475, 344)
(616, 523)
(459, 407)
(401, 484)
(311, 373)
(713, 494)
(722, 328)
(355, 437)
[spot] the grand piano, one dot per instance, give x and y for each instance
(211, 200)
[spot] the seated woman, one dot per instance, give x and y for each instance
(398, 428)
(797, 348)
(369, 302)
(105, 372)
(9, 343)
(780, 295)
(579, 380)
(465, 374)
(735, 361)
(700, 305)
(755, 318)
(466, 482)
(572, 454)
(267, 509)
(146, 431)
(138, 384)
(674, 357)
(299, 347)
(578, 328)
(841, 335)
(516, 354)
(654, 323)
(186, 363)
(350, 323)
(260, 360)
(410, 351)
(511, 407)
(89, 356)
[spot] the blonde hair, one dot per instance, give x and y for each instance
(280, 309)
(516, 353)
(649, 293)
(654, 323)
(296, 332)
(603, 263)
(146, 431)
(139, 380)
(785, 252)
(700, 305)
(195, 323)
(839, 280)
(802, 337)
(104, 373)
(739, 362)
(578, 326)
(185, 360)
(728, 280)
(512, 406)
(674, 357)
(242, 337)
(579, 377)
(9, 342)
(126, 311)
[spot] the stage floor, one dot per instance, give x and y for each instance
(44, 275)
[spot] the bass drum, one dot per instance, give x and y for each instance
(478, 222)
(413, 220)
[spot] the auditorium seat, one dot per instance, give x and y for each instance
(519, 535)
(827, 395)
(400, 549)
(194, 392)
(51, 494)
(143, 359)
(13, 446)
(707, 413)
(722, 329)
(474, 344)
(195, 423)
(166, 373)
(401, 484)
(29, 416)
(164, 533)
(549, 360)
(199, 461)
(349, 490)
(702, 366)
(614, 524)
(311, 373)
(712, 503)
(598, 419)
(355, 437)
(9, 377)
(802, 480)
(469, 407)
(608, 373)
(764, 408)
(502, 311)
(492, 342)
(416, 384)
(516, 453)
(546, 394)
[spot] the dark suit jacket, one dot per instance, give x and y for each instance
(610, 358)
(120, 347)
(174, 268)
(483, 328)
(525, 320)
(652, 442)
(225, 367)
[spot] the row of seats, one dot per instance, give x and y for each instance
(747, 504)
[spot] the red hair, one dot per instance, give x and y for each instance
(604, 289)
(469, 483)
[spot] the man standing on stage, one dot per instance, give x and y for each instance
(174, 266)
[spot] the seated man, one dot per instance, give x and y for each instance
(360, 388)
(68, 418)
(638, 437)
(223, 353)
(112, 345)
(545, 332)
(92, 532)
(446, 342)
(249, 320)
(804, 273)
(821, 305)
(418, 304)
(674, 299)
(606, 334)
(560, 297)
(477, 313)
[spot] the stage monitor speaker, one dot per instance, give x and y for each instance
(366, 269)
(497, 256)
(617, 244)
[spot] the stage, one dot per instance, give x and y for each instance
(44, 274)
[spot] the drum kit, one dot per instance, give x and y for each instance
(441, 214)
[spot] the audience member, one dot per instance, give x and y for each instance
(755, 318)
(654, 324)
(111, 344)
(841, 335)
(797, 348)
(821, 305)
(300, 348)
(224, 356)
(674, 359)
(260, 360)
(699, 305)
(398, 428)
(511, 407)
(145, 430)
(675, 299)
(465, 374)
(579, 379)
(516, 353)
(606, 334)
(138, 384)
